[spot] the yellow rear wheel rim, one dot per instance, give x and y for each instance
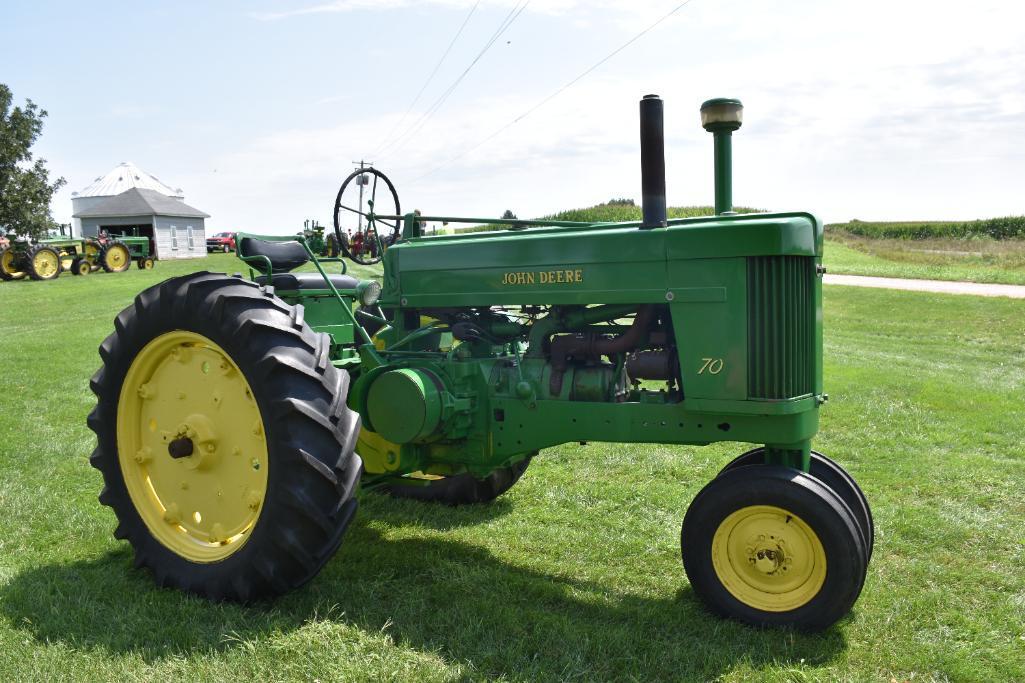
(117, 257)
(7, 263)
(184, 387)
(46, 263)
(768, 558)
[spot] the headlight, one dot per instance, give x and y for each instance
(369, 292)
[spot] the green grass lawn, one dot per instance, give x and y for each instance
(979, 260)
(575, 574)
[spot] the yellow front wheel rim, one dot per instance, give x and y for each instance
(768, 558)
(117, 257)
(184, 393)
(46, 263)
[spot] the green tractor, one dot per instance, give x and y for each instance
(48, 258)
(321, 245)
(238, 418)
(119, 251)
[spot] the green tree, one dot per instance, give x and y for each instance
(509, 215)
(25, 186)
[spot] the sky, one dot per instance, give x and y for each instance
(871, 110)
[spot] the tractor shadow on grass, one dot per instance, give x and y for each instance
(433, 595)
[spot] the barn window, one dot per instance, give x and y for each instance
(174, 237)
(192, 242)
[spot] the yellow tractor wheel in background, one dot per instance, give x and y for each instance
(80, 266)
(9, 266)
(145, 263)
(116, 257)
(773, 546)
(44, 263)
(224, 439)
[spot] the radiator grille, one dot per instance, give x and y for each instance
(780, 329)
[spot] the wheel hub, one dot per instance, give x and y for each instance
(768, 558)
(184, 396)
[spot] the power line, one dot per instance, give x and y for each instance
(555, 94)
(430, 78)
(514, 13)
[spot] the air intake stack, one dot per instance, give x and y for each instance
(721, 117)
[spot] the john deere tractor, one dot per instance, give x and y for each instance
(238, 418)
(48, 258)
(319, 243)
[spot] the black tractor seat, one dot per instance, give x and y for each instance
(290, 281)
(283, 256)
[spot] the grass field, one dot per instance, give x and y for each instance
(974, 260)
(573, 575)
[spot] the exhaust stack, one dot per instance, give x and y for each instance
(653, 163)
(721, 117)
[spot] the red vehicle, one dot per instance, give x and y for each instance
(222, 241)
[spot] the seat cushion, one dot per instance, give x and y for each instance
(290, 281)
(284, 256)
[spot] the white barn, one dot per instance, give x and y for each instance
(124, 176)
(175, 229)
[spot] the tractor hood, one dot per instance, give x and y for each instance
(592, 264)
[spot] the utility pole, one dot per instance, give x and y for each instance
(361, 180)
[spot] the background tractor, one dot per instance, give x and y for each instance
(237, 417)
(48, 258)
(319, 244)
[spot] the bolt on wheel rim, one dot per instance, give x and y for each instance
(768, 558)
(192, 447)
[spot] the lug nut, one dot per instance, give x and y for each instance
(172, 515)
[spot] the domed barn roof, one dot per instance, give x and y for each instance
(126, 176)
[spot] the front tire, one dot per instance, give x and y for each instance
(224, 439)
(830, 473)
(80, 266)
(772, 546)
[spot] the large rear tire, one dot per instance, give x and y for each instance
(224, 439)
(10, 267)
(117, 257)
(44, 263)
(460, 489)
